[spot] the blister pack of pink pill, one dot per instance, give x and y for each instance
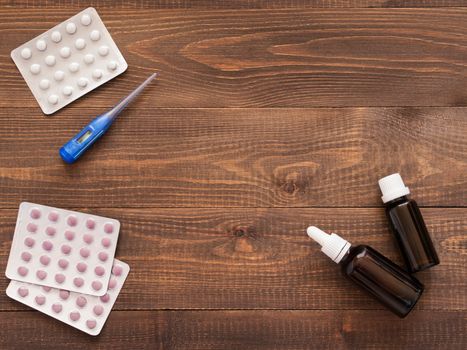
(57, 251)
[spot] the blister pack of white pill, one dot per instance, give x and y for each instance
(85, 312)
(69, 60)
(63, 249)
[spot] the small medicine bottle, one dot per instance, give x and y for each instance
(379, 276)
(407, 224)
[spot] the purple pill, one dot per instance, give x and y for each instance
(103, 256)
(45, 260)
(105, 298)
(81, 266)
(50, 231)
(35, 213)
(87, 238)
(98, 310)
(69, 235)
(47, 245)
(108, 227)
(40, 299)
(99, 270)
(41, 274)
(84, 252)
(66, 249)
(31, 227)
(57, 308)
(90, 224)
(75, 315)
(60, 278)
(117, 270)
(23, 271)
(72, 220)
(112, 283)
(26, 256)
(81, 301)
(96, 285)
(64, 294)
(53, 216)
(63, 263)
(29, 242)
(46, 289)
(106, 242)
(23, 291)
(91, 324)
(78, 281)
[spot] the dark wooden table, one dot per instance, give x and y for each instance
(268, 116)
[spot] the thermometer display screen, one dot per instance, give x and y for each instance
(84, 137)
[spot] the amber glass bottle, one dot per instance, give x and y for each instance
(407, 225)
(372, 271)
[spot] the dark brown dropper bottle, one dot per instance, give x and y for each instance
(372, 271)
(407, 224)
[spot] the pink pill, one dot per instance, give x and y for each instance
(87, 238)
(60, 278)
(57, 308)
(108, 227)
(105, 298)
(69, 235)
(91, 324)
(41, 274)
(53, 216)
(64, 294)
(90, 224)
(99, 270)
(47, 245)
(81, 301)
(96, 285)
(72, 220)
(117, 270)
(63, 263)
(29, 242)
(45, 260)
(84, 252)
(35, 213)
(46, 289)
(23, 291)
(81, 266)
(50, 231)
(31, 227)
(106, 242)
(23, 271)
(40, 299)
(78, 281)
(98, 310)
(66, 249)
(112, 283)
(103, 256)
(26, 256)
(75, 315)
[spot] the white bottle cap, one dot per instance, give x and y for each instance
(332, 245)
(392, 187)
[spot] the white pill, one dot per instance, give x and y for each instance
(112, 65)
(103, 50)
(86, 20)
(26, 53)
(95, 35)
(59, 75)
(80, 44)
(41, 45)
(82, 82)
(53, 99)
(97, 74)
(44, 84)
(71, 28)
(56, 36)
(50, 60)
(65, 52)
(67, 90)
(73, 67)
(35, 68)
(89, 58)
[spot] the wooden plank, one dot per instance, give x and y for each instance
(235, 157)
(337, 329)
(261, 258)
(269, 58)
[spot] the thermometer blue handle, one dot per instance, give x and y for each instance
(74, 148)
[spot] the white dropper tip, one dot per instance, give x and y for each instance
(332, 245)
(392, 187)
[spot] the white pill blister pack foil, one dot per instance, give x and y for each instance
(85, 312)
(69, 60)
(63, 249)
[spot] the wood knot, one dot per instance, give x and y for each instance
(245, 232)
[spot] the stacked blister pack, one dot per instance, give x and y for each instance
(62, 263)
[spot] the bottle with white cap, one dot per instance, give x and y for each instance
(379, 276)
(407, 224)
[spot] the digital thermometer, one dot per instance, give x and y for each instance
(73, 149)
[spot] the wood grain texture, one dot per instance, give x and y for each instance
(339, 329)
(269, 58)
(236, 158)
(261, 258)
